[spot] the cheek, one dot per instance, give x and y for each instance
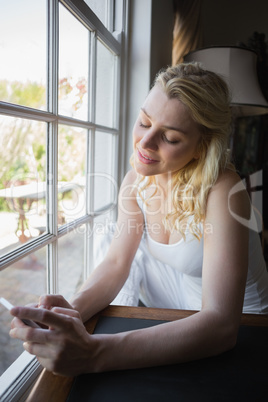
(183, 154)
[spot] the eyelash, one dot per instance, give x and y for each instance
(163, 135)
(143, 125)
(166, 140)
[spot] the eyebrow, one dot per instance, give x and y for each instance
(167, 127)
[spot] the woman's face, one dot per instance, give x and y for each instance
(165, 137)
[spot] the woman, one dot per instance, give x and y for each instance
(186, 198)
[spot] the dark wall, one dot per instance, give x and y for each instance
(232, 22)
(228, 22)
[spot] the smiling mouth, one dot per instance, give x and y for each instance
(144, 158)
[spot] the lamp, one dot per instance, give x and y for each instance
(238, 67)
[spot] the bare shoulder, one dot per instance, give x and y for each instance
(128, 184)
(130, 177)
(128, 193)
(227, 178)
(229, 193)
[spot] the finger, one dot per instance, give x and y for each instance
(49, 301)
(43, 316)
(39, 350)
(36, 349)
(35, 305)
(17, 323)
(21, 323)
(65, 311)
(28, 334)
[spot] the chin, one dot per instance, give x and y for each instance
(143, 170)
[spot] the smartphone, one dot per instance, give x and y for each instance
(9, 306)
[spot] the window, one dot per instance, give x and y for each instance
(60, 93)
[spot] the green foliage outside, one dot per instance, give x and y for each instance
(23, 141)
(28, 94)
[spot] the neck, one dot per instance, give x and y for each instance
(164, 182)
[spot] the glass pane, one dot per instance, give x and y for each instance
(21, 283)
(23, 52)
(22, 181)
(73, 66)
(71, 261)
(105, 187)
(99, 8)
(105, 99)
(71, 173)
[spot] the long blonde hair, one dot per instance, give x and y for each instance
(206, 96)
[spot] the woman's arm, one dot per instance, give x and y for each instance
(107, 279)
(226, 249)
(211, 331)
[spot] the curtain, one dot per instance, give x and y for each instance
(187, 28)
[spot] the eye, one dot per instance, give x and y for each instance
(168, 141)
(143, 125)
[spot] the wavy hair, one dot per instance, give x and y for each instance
(206, 96)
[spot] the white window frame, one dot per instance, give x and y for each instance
(18, 377)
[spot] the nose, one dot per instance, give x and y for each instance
(149, 140)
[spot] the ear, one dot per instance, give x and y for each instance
(199, 149)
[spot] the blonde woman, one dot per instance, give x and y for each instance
(181, 241)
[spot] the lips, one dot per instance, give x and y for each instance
(144, 158)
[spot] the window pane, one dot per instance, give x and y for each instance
(22, 181)
(21, 283)
(105, 187)
(71, 173)
(105, 99)
(23, 52)
(73, 66)
(71, 261)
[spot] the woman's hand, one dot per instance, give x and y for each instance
(46, 302)
(63, 347)
(50, 301)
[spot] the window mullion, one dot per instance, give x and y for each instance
(90, 156)
(52, 207)
(123, 82)
(52, 159)
(92, 76)
(116, 104)
(110, 15)
(89, 204)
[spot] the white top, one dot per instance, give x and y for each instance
(173, 277)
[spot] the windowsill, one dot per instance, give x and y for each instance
(15, 381)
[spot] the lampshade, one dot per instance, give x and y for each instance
(238, 66)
